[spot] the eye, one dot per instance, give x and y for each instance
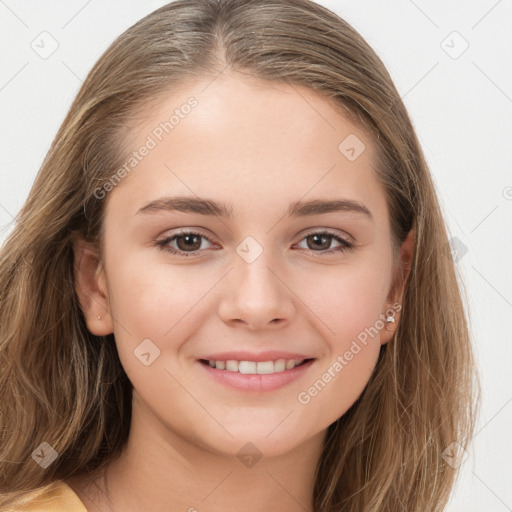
(187, 241)
(323, 239)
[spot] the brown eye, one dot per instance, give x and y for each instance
(320, 242)
(188, 243)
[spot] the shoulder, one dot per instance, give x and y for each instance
(59, 498)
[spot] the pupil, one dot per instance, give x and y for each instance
(188, 238)
(325, 237)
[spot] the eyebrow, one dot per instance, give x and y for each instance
(203, 206)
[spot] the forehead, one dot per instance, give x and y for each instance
(244, 141)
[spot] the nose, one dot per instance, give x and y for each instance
(256, 296)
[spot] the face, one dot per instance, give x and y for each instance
(277, 276)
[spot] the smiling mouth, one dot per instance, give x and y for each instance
(255, 368)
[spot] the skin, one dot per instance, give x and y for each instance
(258, 148)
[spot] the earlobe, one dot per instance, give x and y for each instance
(390, 324)
(91, 289)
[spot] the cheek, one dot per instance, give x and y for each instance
(349, 305)
(153, 302)
(347, 300)
(151, 296)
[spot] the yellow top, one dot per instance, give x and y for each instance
(60, 499)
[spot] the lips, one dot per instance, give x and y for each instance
(244, 355)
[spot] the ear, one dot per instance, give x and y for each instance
(394, 299)
(91, 287)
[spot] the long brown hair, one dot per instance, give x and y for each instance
(63, 386)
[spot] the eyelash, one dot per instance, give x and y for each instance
(345, 244)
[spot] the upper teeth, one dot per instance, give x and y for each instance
(254, 367)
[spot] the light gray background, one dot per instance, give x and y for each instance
(460, 104)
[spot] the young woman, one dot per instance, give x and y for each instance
(231, 287)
